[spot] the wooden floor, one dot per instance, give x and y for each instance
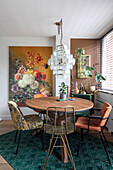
(6, 126)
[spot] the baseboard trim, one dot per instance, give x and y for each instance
(6, 117)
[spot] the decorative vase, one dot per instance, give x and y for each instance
(92, 89)
(88, 87)
(62, 96)
(76, 90)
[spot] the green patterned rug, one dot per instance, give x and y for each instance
(31, 156)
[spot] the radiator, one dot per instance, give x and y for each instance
(101, 97)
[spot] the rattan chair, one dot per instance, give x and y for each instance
(22, 123)
(59, 127)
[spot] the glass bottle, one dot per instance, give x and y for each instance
(76, 90)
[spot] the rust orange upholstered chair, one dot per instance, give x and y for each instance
(38, 96)
(96, 123)
(22, 123)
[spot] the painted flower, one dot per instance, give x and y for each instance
(17, 62)
(38, 75)
(46, 93)
(30, 55)
(17, 76)
(28, 62)
(41, 86)
(15, 88)
(28, 79)
(31, 65)
(21, 70)
(29, 71)
(42, 89)
(38, 58)
(46, 65)
(34, 85)
(22, 84)
(43, 76)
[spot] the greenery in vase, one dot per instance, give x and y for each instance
(63, 88)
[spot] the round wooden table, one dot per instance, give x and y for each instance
(41, 104)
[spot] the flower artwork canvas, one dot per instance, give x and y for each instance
(29, 73)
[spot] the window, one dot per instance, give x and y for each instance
(107, 61)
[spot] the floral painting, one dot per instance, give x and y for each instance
(29, 72)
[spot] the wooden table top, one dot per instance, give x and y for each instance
(43, 103)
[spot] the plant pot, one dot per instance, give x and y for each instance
(92, 89)
(62, 96)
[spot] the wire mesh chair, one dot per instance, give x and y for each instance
(63, 124)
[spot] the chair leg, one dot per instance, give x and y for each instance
(49, 153)
(104, 137)
(80, 139)
(18, 142)
(69, 153)
(42, 139)
(104, 147)
(15, 136)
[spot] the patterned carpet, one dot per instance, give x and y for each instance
(31, 156)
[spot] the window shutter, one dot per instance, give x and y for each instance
(107, 61)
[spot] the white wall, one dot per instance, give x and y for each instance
(4, 66)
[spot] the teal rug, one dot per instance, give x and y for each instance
(31, 156)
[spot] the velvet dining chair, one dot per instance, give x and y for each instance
(22, 123)
(96, 123)
(38, 111)
(86, 97)
(35, 97)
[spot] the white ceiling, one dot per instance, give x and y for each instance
(32, 18)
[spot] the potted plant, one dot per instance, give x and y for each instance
(62, 91)
(98, 77)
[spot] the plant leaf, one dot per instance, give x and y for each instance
(89, 68)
